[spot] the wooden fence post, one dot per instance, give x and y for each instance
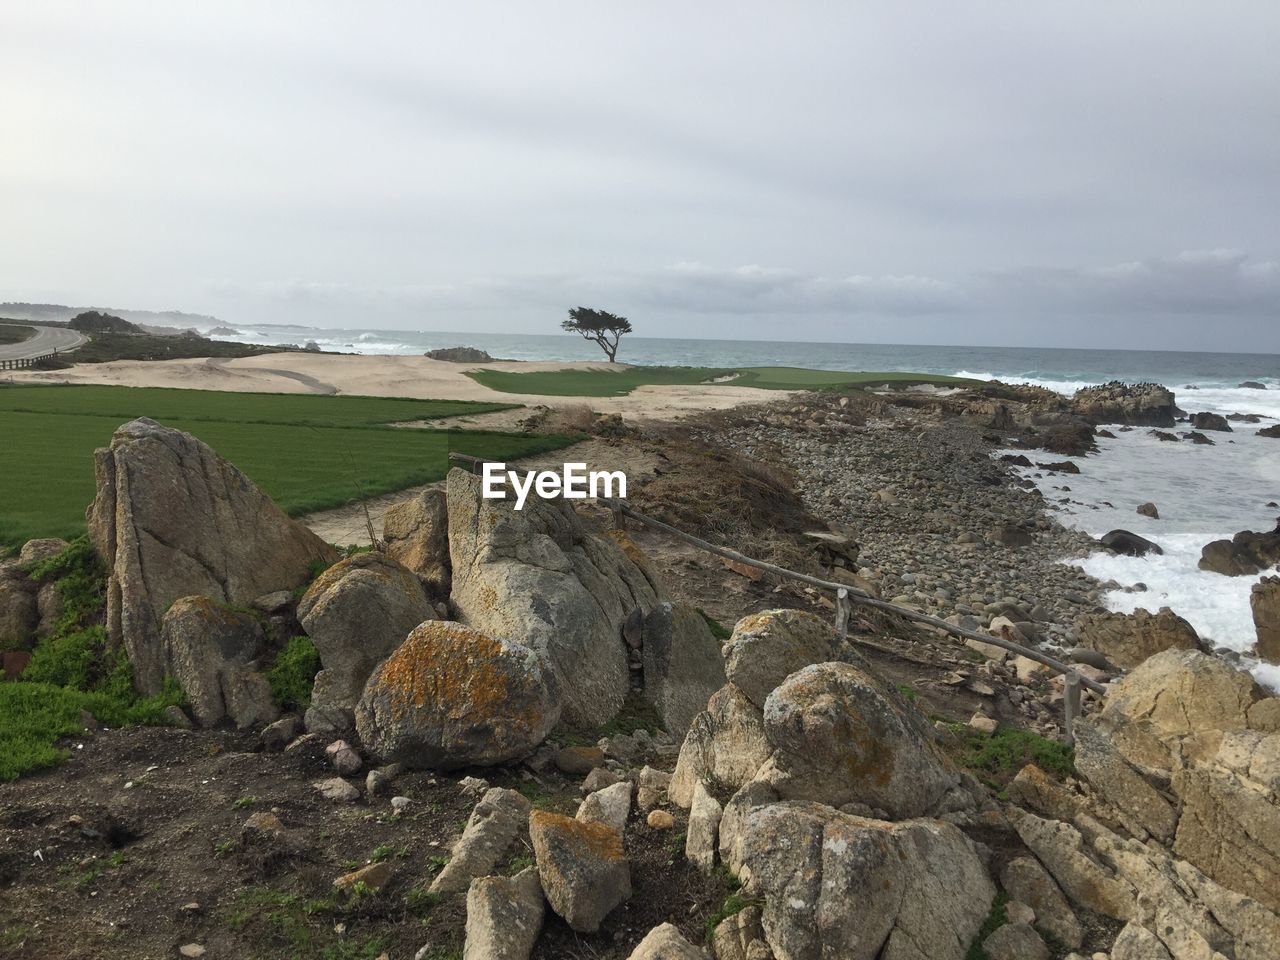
(843, 609)
(1070, 705)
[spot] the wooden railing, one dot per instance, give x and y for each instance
(846, 596)
(25, 362)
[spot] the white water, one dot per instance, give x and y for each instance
(1203, 493)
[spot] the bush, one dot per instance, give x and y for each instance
(68, 660)
(293, 674)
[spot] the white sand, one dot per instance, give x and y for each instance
(391, 376)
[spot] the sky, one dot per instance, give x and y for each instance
(1025, 174)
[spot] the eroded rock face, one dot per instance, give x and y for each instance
(504, 917)
(1138, 405)
(840, 735)
(725, 743)
(768, 647)
(1243, 555)
(582, 866)
(19, 610)
(1265, 601)
(682, 664)
(207, 649)
(539, 576)
(1127, 639)
(416, 533)
(666, 942)
(451, 696)
(356, 613)
(837, 885)
(173, 519)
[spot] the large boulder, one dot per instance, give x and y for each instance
(1138, 405)
(173, 519)
(1243, 555)
(1129, 543)
(1210, 421)
(725, 745)
(19, 610)
(1182, 692)
(539, 576)
(504, 917)
(1265, 601)
(582, 866)
(495, 822)
(1127, 639)
(682, 664)
(208, 649)
(451, 696)
(841, 735)
(768, 647)
(356, 613)
(837, 885)
(416, 533)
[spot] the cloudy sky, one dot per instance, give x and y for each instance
(1078, 174)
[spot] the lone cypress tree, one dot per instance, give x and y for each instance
(598, 326)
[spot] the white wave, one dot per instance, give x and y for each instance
(1065, 387)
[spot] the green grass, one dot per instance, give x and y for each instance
(307, 452)
(1008, 750)
(14, 332)
(617, 383)
(996, 919)
(293, 674)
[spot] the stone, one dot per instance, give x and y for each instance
(725, 743)
(249, 699)
(343, 757)
(357, 613)
(504, 916)
(666, 942)
(337, 789)
(838, 885)
(1099, 762)
(473, 787)
(192, 950)
(376, 783)
(582, 866)
(733, 825)
(1245, 554)
(276, 736)
(372, 877)
(1012, 535)
(610, 806)
(1019, 912)
(652, 786)
(451, 696)
(660, 820)
(1264, 599)
(738, 936)
(19, 610)
(1061, 848)
(1149, 509)
(768, 647)
(1210, 421)
(416, 535)
(1025, 880)
(495, 822)
(172, 519)
(598, 779)
(576, 761)
(983, 723)
(702, 837)
(840, 735)
(1138, 405)
(203, 643)
(1015, 941)
(1129, 544)
(1127, 639)
(1180, 692)
(682, 664)
(41, 549)
(1136, 942)
(538, 576)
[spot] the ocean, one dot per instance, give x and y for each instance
(1203, 493)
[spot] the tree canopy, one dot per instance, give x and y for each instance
(599, 326)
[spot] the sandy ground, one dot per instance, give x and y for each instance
(384, 376)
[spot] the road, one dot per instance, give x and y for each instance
(46, 340)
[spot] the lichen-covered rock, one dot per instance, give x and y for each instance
(1025, 880)
(495, 822)
(206, 644)
(452, 697)
(837, 885)
(682, 664)
(356, 613)
(44, 548)
(703, 835)
(1180, 692)
(539, 576)
(666, 942)
(840, 735)
(504, 917)
(768, 647)
(1264, 598)
(173, 519)
(725, 743)
(1127, 639)
(416, 534)
(1076, 868)
(582, 866)
(1139, 804)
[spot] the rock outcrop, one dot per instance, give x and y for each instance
(504, 917)
(1138, 405)
(451, 696)
(416, 534)
(768, 647)
(725, 744)
(1264, 598)
(538, 576)
(682, 664)
(1210, 421)
(173, 519)
(356, 613)
(1127, 639)
(1129, 544)
(1243, 555)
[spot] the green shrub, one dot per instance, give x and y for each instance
(293, 674)
(1009, 750)
(81, 579)
(68, 660)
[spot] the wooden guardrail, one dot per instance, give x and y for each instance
(25, 362)
(846, 597)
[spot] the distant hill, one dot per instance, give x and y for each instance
(94, 321)
(58, 313)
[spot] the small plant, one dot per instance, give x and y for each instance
(519, 863)
(224, 848)
(1009, 749)
(997, 918)
(437, 863)
(718, 629)
(420, 900)
(380, 853)
(244, 803)
(293, 674)
(908, 692)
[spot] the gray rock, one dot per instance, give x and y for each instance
(416, 534)
(173, 519)
(582, 866)
(204, 642)
(538, 576)
(1127, 639)
(504, 916)
(703, 835)
(666, 943)
(682, 664)
(610, 806)
(19, 610)
(1024, 879)
(736, 936)
(494, 824)
(452, 697)
(276, 736)
(337, 789)
(1099, 762)
(1015, 941)
(733, 824)
(768, 647)
(1060, 847)
(726, 743)
(1136, 942)
(837, 885)
(39, 550)
(652, 786)
(344, 757)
